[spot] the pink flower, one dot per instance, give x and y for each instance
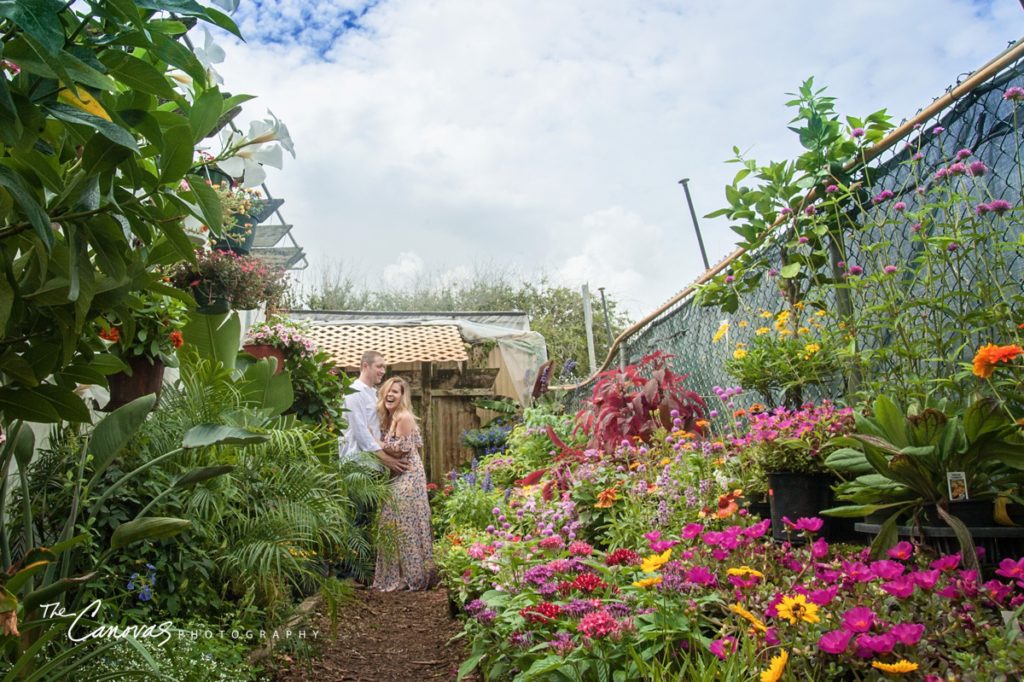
(857, 132)
(819, 549)
(701, 575)
(597, 624)
(902, 587)
(831, 189)
(856, 270)
(907, 634)
(1014, 94)
(999, 206)
(835, 641)
(692, 530)
(580, 548)
(1014, 570)
(963, 154)
(890, 269)
(804, 524)
(977, 168)
(823, 597)
(723, 647)
(875, 644)
(938, 130)
(947, 563)
(899, 207)
(982, 209)
(926, 579)
(859, 619)
(887, 570)
(957, 169)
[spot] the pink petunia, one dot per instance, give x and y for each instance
(887, 570)
(875, 644)
(835, 642)
(859, 619)
(1014, 570)
(823, 597)
(907, 634)
(926, 579)
(947, 563)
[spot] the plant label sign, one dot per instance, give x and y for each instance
(957, 482)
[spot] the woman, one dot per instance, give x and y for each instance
(408, 511)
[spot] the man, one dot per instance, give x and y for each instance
(363, 431)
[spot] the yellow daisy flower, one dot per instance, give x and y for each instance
(754, 620)
(648, 582)
(776, 668)
(656, 561)
(900, 667)
(745, 570)
(797, 608)
(761, 331)
(722, 329)
(739, 354)
(766, 314)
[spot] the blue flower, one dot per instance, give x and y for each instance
(145, 594)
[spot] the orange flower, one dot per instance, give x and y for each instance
(113, 334)
(990, 354)
(176, 339)
(606, 498)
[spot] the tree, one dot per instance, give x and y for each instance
(556, 311)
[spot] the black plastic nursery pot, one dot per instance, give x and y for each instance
(797, 495)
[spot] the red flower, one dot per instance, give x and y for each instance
(622, 557)
(113, 334)
(177, 340)
(588, 582)
(541, 613)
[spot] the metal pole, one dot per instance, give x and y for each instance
(696, 226)
(604, 306)
(588, 322)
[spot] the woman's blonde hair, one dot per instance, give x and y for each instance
(404, 405)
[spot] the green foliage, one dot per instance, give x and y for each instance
(94, 143)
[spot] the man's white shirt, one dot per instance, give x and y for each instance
(363, 432)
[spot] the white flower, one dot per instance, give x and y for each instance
(209, 54)
(271, 130)
(247, 163)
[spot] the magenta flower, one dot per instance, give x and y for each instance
(887, 570)
(819, 549)
(857, 132)
(890, 269)
(998, 591)
(941, 173)
(901, 588)
(804, 524)
(918, 156)
(899, 207)
(580, 548)
(907, 634)
(856, 270)
(1014, 94)
(938, 130)
(810, 210)
(831, 189)
(835, 642)
(597, 624)
(875, 644)
(977, 168)
(661, 545)
(926, 579)
(963, 154)
(701, 575)
(723, 647)
(773, 272)
(757, 530)
(8, 65)
(952, 246)
(859, 619)
(982, 209)
(902, 550)
(729, 279)
(884, 195)
(999, 206)
(785, 210)
(957, 169)
(947, 563)
(692, 530)
(823, 597)
(1014, 570)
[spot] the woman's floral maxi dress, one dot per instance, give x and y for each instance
(408, 512)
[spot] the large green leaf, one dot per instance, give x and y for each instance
(114, 431)
(69, 405)
(215, 337)
(147, 528)
(892, 420)
(111, 131)
(21, 403)
(176, 156)
(203, 474)
(208, 202)
(46, 593)
(848, 461)
(259, 385)
(21, 193)
(138, 74)
(39, 18)
(983, 416)
(205, 435)
(205, 113)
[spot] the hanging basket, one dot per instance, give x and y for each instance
(146, 376)
(239, 237)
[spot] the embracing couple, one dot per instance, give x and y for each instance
(381, 423)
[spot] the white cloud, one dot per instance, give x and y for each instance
(552, 135)
(403, 272)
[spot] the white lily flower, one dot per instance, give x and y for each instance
(209, 54)
(271, 130)
(248, 162)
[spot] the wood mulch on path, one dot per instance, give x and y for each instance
(394, 637)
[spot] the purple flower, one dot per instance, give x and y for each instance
(963, 154)
(884, 195)
(835, 642)
(957, 169)
(916, 227)
(918, 156)
(938, 130)
(773, 272)
(907, 634)
(941, 173)
(803, 240)
(859, 619)
(805, 524)
(857, 132)
(953, 246)
(999, 206)
(856, 270)
(899, 207)
(729, 279)
(810, 210)
(875, 644)
(890, 269)
(831, 189)
(1014, 94)
(977, 168)
(785, 210)
(982, 209)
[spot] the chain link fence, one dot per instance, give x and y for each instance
(980, 120)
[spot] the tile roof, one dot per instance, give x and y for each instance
(397, 343)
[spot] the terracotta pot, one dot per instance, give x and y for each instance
(147, 376)
(264, 350)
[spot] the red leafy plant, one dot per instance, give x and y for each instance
(632, 403)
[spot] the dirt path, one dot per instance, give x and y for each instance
(394, 637)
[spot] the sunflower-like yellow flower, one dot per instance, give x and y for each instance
(655, 561)
(754, 620)
(820, 313)
(739, 353)
(803, 330)
(766, 314)
(900, 667)
(761, 331)
(742, 324)
(797, 608)
(722, 329)
(775, 668)
(648, 582)
(745, 570)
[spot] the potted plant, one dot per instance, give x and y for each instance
(242, 208)
(278, 338)
(223, 280)
(144, 334)
(486, 441)
(790, 446)
(929, 467)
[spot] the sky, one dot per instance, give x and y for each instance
(439, 136)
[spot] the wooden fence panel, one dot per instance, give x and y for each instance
(449, 418)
